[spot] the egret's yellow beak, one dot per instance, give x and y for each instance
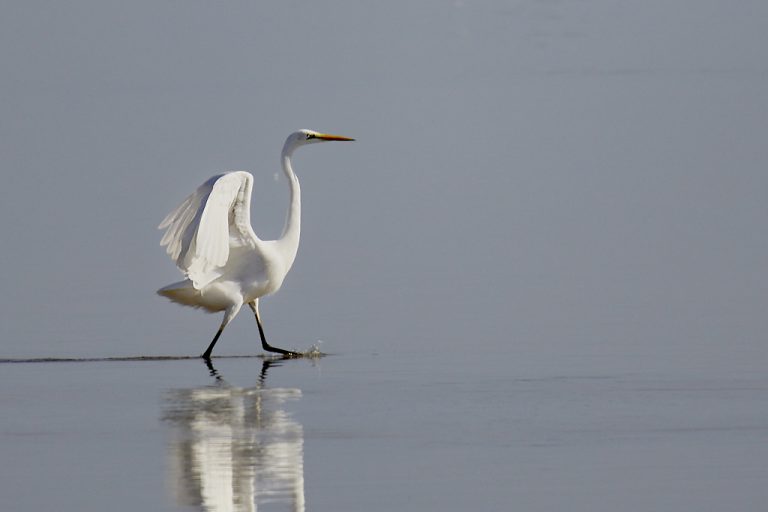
(326, 136)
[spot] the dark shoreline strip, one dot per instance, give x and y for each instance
(116, 359)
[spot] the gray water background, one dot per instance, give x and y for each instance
(540, 269)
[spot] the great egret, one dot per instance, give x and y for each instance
(226, 265)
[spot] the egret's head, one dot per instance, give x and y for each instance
(303, 137)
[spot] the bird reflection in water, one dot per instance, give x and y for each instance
(236, 448)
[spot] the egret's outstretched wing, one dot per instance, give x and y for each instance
(201, 230)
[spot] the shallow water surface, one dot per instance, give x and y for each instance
(377, 432)
(540, 269)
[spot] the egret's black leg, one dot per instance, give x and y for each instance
(229, 314)
(207, 354)
(269, 348)
(266, 346)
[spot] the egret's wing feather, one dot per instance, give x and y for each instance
(201, 230)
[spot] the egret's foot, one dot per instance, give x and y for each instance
(283, 352)
(289, 354)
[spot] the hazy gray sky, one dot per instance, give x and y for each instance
(571, 176)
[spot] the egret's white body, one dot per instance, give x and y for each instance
(226, 265)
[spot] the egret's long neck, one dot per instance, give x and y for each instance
(289, 241)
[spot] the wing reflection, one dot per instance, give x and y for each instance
(235, 448)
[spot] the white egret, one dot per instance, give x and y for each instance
(226, 265)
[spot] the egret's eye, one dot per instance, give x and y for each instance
(310, 136)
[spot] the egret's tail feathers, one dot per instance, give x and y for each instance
(183, 293)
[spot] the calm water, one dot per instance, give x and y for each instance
(540, 270)
(378, 432)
